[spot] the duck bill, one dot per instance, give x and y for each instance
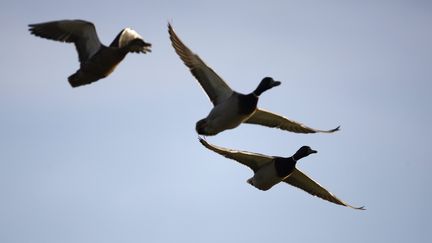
(276, 83)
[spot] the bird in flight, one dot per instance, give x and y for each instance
(271, 170)
(97, 61)
(232, 108)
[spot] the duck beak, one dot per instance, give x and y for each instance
(313, 151)
(276, 83)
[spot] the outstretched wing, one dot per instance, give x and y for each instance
(81, 33)
(251, 160)
(302, 181)
(127, 35)
(216, 89)
(265, 118)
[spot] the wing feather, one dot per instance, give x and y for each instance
(127, 35)
(81, 33)
(302, 181)
(266, 118)
(251, 160)
(215, 87)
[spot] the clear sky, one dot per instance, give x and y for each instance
(119, 160)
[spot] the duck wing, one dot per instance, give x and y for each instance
(302, 181)
(81, 33)
(127, 35)
(266, 118)
(215, 87)
(252, 160)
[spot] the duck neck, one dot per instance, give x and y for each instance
(298, 156)
(284, 166)
(259, 90)
(247, 103)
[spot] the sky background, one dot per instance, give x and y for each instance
(119, 160)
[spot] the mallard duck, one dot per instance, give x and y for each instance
(271, 170)
(232, 108)
(97, 60)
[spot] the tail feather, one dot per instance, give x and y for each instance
(76, 80)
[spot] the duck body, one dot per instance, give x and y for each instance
(228, 115)
(102, 64)
(272, 173)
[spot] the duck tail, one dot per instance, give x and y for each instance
(76, 80)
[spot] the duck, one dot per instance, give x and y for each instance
(97, 60)
(231, 108)
(271, 170)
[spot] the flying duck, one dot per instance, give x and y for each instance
(97, 60)
(230, 107)
(270, 170)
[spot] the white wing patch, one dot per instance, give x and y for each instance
(128, 35)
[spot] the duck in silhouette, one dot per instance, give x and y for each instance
(230, 107)
(97, 61)
(270, 170)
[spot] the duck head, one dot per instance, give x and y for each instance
(266, 84)
(303, 152)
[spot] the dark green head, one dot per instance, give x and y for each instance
(266, 84)
(303, 152)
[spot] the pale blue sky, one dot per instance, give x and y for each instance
(119, 160)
